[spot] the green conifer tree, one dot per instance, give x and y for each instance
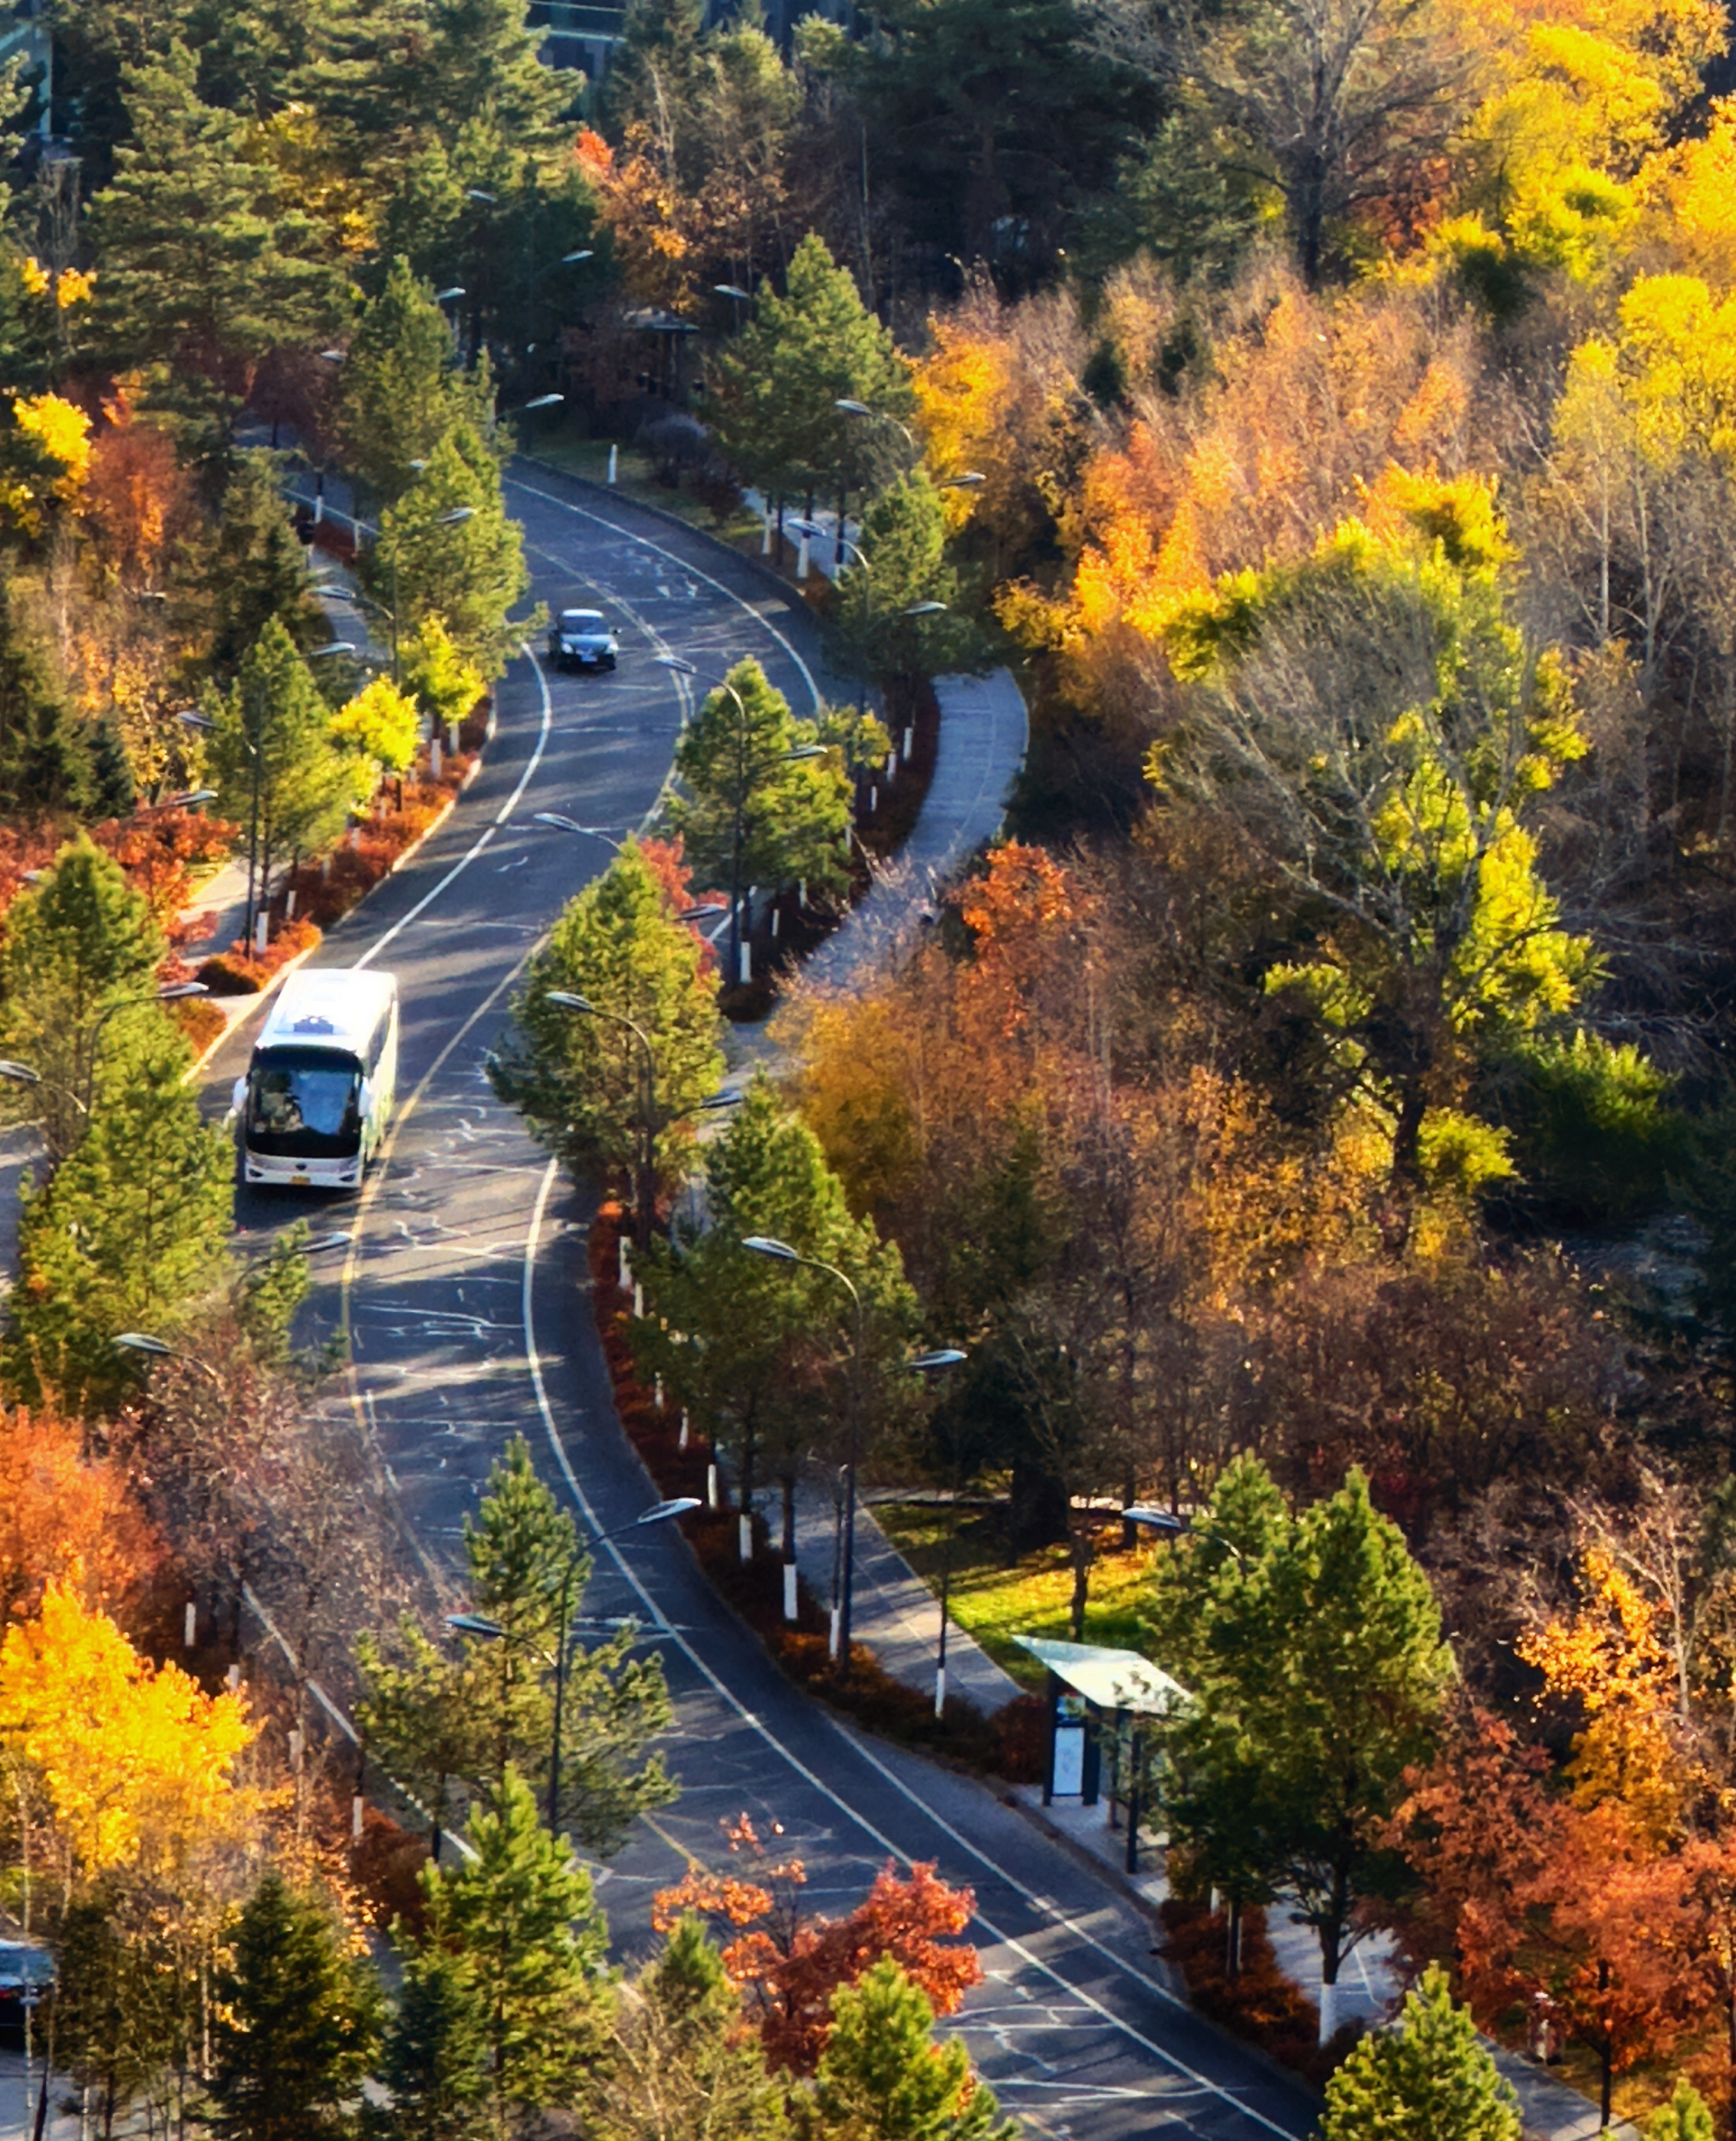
(468, 572)
(882, 2077)
(682, 2065)
(44, 764)
(277, 763)
(298, 2022)
(252, 570)
(738, 1340)
(398, 400)
(203, 269)
(439, 1720)
(751, 811)
(1429, 2079)
(580, 1080)
(433, 2065)
(521, 1916)
(76, 946)
(1315, 1655)
(782, 379)
(130, 1232)
(902, 564)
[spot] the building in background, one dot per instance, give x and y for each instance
(582, 34)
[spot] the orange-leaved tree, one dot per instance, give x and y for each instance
(789, 1965)
(64, 1518)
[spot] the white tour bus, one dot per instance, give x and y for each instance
(315, 1103)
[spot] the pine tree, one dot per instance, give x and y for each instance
(274, 757)
(749, 811)
(254, 570)
(904, 543)
(398, 400)
(438, 1721)
(743, 1343)
(883, 2077)
(1684, 2117)
(1429, 2079)
(682, 2064)
(130, 1232)
(44, 765)
(76, 946)
(201, 269)
(1316, 1661)
(520, 1916)
(298, 2022)
(469, 574)
(433, 2064)
(579, 1080)
(782, 378)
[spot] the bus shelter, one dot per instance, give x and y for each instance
(1105, 1706)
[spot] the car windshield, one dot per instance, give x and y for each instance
(581, 620)
(304, 1103)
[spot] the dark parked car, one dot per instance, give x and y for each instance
(581, 639)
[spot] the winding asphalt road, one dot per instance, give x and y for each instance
(466, 1295)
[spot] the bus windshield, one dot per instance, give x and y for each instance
(304, 1103)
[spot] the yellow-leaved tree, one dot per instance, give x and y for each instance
(136, 1762)
(1611, 1658)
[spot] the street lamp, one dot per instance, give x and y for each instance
(942, 1356)
(21, 1073)
(645, 1183)
(476, 1624)
(160, 1349)
(767, 1245)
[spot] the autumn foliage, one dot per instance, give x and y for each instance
(788, 1964)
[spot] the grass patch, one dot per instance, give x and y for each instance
(995, 1603)
(636, 478)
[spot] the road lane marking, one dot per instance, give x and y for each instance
(584, 513)
(505, 811)
(532, 1361)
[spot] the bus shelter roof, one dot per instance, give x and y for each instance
(1111, 1679)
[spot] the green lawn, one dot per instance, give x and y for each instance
(995, 1602)
(635, 479)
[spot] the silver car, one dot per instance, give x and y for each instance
(581, 639)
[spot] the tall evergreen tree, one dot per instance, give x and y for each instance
(45, 765)
(276, 763)
(433, 2064)
(579, 1081)
(202, 268)
(76, 946)
(297, 2023)
(904, 543)
(1429, 2079)
(400, 397)
(682, 2064)
(883, 2077)
(467, 572)
(750, 810)
(437, 1720)
(756, 1351)
(252, 570)
(1314, 1651)
(782, 379)
(519, 1917)
(130, 1231)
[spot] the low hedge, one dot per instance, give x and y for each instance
(1007, 1744)
(1259, 2004)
